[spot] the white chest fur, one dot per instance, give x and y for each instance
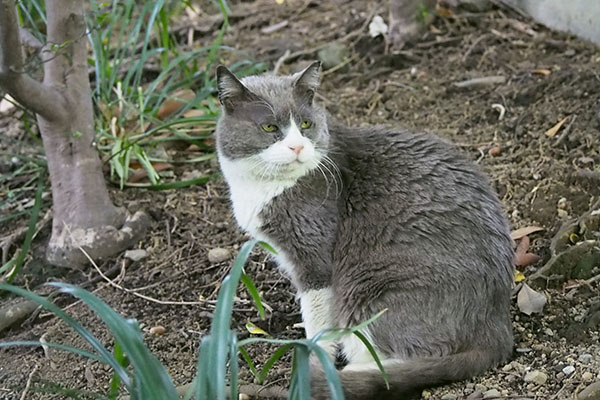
(249, 195)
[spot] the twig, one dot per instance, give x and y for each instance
(280, 61)
(478, 82)
(16, 312)
(587, 282)
(252, 390)
(340, 65)
(148, 298)
(28, 384)
(565, 132)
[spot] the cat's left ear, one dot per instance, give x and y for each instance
(307, 82)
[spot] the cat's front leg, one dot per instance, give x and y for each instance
(317, 314)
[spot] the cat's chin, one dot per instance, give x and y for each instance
(292, 171)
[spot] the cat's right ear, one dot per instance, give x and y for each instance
(230, 89)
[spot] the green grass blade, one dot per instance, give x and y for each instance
(220, 327)
(271, 361)
(333, 379)
(152, 380)
(104, 354)
(35, 212)
(268, 247)
(301, 377)
(115, 381)
(249, 361)
(233, 366)
(374, 355)
(247, 281)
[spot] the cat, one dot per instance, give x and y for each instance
(366, 219)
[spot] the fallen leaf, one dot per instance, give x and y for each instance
(141, 174)
(522, 256)
(194, 112)
(541, 71)
(529, 301)
(525, 231)
(255, 330)
(443, 11)
(175, 102)
(552, 131)
(495, 151)
(519, 277)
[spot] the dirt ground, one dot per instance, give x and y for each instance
(542, 180)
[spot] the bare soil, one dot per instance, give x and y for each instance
(548, 76)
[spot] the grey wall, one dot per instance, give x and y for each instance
(581, 17)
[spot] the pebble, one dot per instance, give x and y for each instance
(157, 330)
(587, 376)
(537, 377)
(136, 255)
(591, 392)
(585, 358)
(491, 393)
(568, 370)
(218, 255)
(449, 396)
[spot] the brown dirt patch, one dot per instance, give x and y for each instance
(414, 89)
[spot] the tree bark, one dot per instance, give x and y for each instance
(84, 215)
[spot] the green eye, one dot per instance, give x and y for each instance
(306, 124)
(269, 127)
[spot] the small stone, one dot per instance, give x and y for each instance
(480, 388)
(537, 377)
(568, 370)
(426, 394)
(158, 330)
(218, 255)
(491, 393)
(548, 332)
(507, 367)
(587, 376)
(332, 55)
(449, 396)
(591, 392)
(585, 358)
(136, 255)
(243, 396)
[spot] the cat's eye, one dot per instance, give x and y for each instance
(306, 124)
(269, 127)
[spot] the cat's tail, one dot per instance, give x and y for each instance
(406, 378)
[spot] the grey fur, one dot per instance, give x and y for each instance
(412, 226)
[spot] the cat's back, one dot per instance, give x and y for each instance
(418, 189)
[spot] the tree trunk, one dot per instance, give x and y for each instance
(407, 20)
(84, 216)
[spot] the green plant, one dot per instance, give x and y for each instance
(147, 379)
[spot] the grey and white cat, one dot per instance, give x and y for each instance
(366, 219)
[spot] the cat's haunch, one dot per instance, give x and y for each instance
(366, 219)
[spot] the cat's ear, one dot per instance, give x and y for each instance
(307, 82)
(230, 89)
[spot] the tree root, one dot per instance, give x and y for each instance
(99, 243)
(13, 313)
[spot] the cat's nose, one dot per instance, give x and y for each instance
(296, 149)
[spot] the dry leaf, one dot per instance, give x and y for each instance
(519, 277)
(175, 102)
(141, 174)
(528, 230)
(522, 257)
(255, 330)
(495, 151)
(529, 301)
(541, 71)
(194, 112)
(552, 131)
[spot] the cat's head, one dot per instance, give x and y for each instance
(270, 126)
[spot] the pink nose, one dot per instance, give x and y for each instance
(296, 149)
